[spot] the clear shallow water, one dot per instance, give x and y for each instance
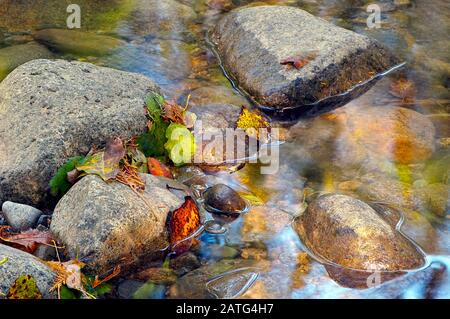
(338, 157)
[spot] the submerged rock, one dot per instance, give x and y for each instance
(348, 233)
(77, 42)
(19, 216)
(109, 224)
(53, 110)
(19, 263)
(216, 95)
(356, 134)
(13, 56)
(254, 41)
(161, 18)
(223, 199)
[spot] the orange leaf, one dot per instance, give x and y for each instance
(98, 282)
(184, 222)
(173, 113)
(300, 60)
(157, 168)
(28, 240)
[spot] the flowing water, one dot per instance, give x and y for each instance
(260, 256)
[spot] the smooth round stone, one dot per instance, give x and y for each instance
(222, 199)
(19, 216)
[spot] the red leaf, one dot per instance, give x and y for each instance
(28, 240)
(300, 60)
(157, 168)
(183, 223)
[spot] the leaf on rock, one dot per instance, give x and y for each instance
(129, 176)
(157, 168)
(184, 222)
(105, 164)
(252, 122)
(28, 240)
(24, 287)
(180, 144)
(173, 113)
(300, 60)
(59, 184)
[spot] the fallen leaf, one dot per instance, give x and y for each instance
(129, 176)
(173, 113)
(105, 164)
(252, 123)
(68, 274)
(300, 60)
(184, 222)
(24, 287)
(157, 168)
(28, 240)
(98, 282)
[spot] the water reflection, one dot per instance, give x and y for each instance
(384, 146)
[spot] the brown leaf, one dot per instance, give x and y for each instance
(173, 113)
(28, 240)
(98, 282)
(183, 223)
(300, 60)
(157, 168)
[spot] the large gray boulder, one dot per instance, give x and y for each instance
(52, 110)
(19, 263)
(106, 224)
(253, 42)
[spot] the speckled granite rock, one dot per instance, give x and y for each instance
(109, 224)
(253, 41)
(53, 110)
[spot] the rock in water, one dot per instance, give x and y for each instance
(77, 42)
(19, 263)
(13, 56)
(110, 224)
(19, 216)
(253, 42)
(223, 199)
(53, 110)
(349, 233)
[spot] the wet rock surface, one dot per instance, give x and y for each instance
(350, 136)
(252, 51)
(13, 56)
(349, 233)
(109, 224)
(19, 216)
(19, 263)
(53, 110)
(77, 42)
(223, 199)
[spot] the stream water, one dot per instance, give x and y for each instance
(261, 256)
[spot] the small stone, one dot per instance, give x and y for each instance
(44, 220)
(45, 252)
(19, 263)
(184, 263)
(19, 216)
(128, 287)
(223, 199)
(159, 276)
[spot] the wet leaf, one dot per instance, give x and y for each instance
(180, 144)
(69, 274)
(184, 222)
(300, 60)
(105, 164)
(157, 168)
(97, 282)
(173, 113)
(24, 287)
(28, 240)
(59, 184)
(252, 122)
